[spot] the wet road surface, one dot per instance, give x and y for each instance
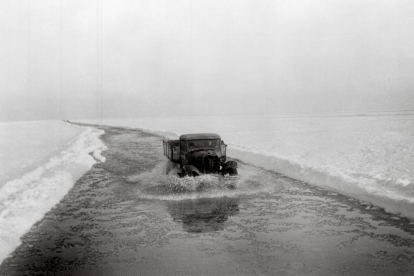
(126, 217)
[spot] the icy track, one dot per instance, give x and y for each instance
(25, 200)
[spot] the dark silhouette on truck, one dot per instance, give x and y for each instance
(197, 154)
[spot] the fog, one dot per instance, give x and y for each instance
(78, 59)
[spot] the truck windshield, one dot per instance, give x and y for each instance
(204, 144)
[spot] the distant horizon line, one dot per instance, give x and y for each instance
(281, 115)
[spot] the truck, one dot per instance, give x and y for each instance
(198, 154)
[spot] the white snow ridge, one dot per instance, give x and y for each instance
(25, 200)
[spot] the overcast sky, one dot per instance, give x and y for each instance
(73, 59)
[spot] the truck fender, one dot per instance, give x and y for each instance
(191, 170)
(230, 164)
(229, 167)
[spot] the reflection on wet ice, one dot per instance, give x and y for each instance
(203, 214)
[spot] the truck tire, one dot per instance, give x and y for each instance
(232, 171)
(230, 167)
(168, 169)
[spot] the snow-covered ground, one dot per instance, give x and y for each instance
(366, 156)
(40, 161)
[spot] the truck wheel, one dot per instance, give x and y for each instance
(168, 167)
(232, 171)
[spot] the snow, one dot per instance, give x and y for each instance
(33, 192)
(26, 145)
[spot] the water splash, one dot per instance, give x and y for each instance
(157, 184)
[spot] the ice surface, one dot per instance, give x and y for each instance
(368, 157)
(27, 197)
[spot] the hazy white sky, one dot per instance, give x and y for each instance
(127, 58)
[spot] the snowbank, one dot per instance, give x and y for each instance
(25, 200)
(395, 196)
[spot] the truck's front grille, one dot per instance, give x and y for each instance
(210, 165)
